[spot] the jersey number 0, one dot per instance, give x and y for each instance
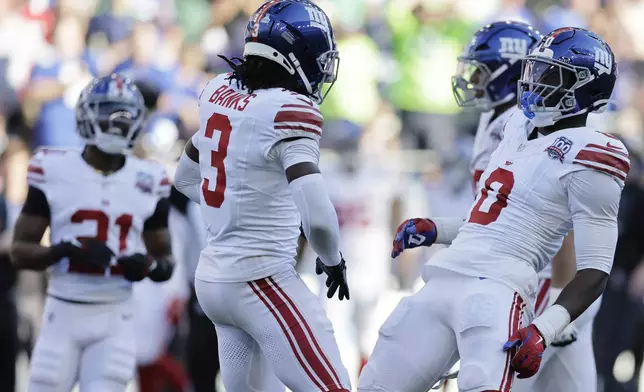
(494, 197)
(221, 123)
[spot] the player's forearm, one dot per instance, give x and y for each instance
(188, 178)
(319, 219)
(161, 268)
(32, 256)
(575, 298)
(582, 291)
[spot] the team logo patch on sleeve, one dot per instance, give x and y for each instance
(559, 148)
(144, 182)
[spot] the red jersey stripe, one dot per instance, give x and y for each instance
(298, 128)
(614, 150)
(296, 106)
(306, 101)
(299, 117)
(601, 169)
(603, 159)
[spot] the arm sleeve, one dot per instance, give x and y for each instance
(187, 178)
(36, 203)
(319, 220)
(159, 219)
(447, 229)
(593, 199)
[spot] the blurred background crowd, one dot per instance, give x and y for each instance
(393, 132)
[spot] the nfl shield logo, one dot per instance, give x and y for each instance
(144, 182)
(559, 148)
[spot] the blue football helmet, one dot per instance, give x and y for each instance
(296, 34)
(572, 71)
(490, 66)
(110, 114)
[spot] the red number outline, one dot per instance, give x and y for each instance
(221, 123)
(506, 179)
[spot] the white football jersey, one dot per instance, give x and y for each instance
(84, 204)
(488, 136)
(522, 214)
(251, 218)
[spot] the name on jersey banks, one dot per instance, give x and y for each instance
(559, 148)
(231, 99)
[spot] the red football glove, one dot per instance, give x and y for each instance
(527, 345)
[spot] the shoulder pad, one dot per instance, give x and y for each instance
(517, 125)
(297, 116)
(604, 153)
(42, 164)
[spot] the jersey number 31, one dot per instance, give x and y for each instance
(221, 123)
(493, 198)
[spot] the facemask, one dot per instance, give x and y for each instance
(538, 119)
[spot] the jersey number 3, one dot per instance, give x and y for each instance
(221, 123)
(493, 198)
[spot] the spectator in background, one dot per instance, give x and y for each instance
(427, 37)
(189, 79)
(8, 311)
(515, 10)
(56, 82)
(143, 65)
(570, 13)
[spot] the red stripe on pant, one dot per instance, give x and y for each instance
(306, 325)
(291, 323)
(540, 305)
(514, 321)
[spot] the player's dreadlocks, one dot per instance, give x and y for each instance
(257, 73)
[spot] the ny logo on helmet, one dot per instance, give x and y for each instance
(318, 19)
(603, 61)
(513, 49)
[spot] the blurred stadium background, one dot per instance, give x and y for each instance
(391, 120)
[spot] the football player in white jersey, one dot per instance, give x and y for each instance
(107, 213)
(253, 167)
(493, 53)
(550, 174)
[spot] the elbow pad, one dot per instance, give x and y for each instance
(319, 220)
(187, 178)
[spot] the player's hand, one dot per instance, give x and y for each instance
(566, 337)
(91, 251)
(528, 346)
(160, 270)
(135, 266)
(413, 233)
(336, 278)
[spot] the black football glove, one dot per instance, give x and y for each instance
(160, 270)
(90, 252)
(336, 278)
(135, 266)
